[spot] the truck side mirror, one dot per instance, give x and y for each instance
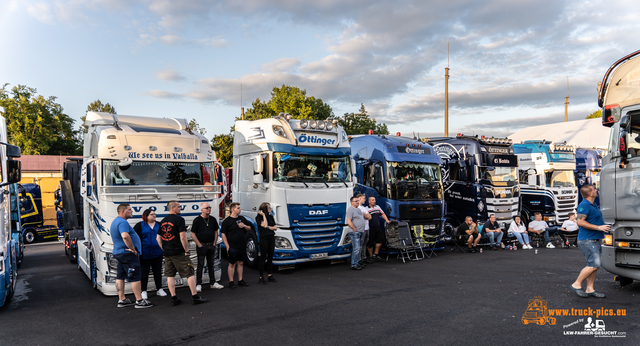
(257, 164)
(14, 171)
(257, 178)
(532, 180)
(623, 146)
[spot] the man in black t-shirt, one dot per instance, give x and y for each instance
(493, 231)
(172, 238)
(234, 230)
(468, 231)
(204, 232)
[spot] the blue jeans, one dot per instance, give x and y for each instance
(494, 235)
(592, 250)
(545, 233)
(523, 238)
(356, 243)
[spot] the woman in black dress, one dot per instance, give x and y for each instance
(266, 228)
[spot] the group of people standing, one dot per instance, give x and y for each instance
(141, 249)
(366, 231)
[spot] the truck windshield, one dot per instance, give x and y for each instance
(498, 174)
(421, 173)
(310, 168)
(560, 179)
(158, 173)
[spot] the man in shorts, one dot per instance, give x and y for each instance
(126, 249)
(590, 233)
(376, 229)
(234, 232)
(172, 238)
(468, 231)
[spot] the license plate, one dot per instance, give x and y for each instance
(319, 255)
(178, 282)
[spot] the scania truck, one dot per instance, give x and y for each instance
(480, 178)
(619, 97)
(303, 169)
(588, 167)
(145, 162)
(10, 173)
(404, 176)
(547, 181)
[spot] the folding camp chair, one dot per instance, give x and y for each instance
(408, 246)
(399, 238)
(425, 241)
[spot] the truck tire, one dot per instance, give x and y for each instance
(30, 236)
(449, 228)
(252, 251)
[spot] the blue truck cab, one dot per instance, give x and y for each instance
(404, 176)
(480, 178)
(588, 167)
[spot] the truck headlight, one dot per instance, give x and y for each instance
(283, 243)
(480, 206)
(112, 262)
(279, 131)
(347, 240)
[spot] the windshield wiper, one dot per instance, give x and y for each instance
(342, 181)
(300, 181)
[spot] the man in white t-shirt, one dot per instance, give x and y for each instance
(569, 227)
(540, 227)
(365, 239)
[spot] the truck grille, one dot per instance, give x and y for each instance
(420, 212)
(317, 238)
(564, 207)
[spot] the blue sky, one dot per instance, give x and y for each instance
(509, 60)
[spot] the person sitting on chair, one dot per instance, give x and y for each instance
(540, 227)
(518, 229)
(493, 231)
(569, 227)
(468, 231)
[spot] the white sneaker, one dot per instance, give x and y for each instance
(144, 295)
(217, 286)
(199, 288)
(528, 247)
(550, 246)
(161, 293)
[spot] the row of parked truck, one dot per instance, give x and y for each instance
(308, 169)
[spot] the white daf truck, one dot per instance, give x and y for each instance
(145, 162)
(303, 169)
(619, 97)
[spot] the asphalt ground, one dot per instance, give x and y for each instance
(451, 299)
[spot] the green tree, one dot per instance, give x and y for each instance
(95, 106)
(223, 146)
(195, 127)
(292, 100)
(37, 124)
(360, 123)
(596, 114)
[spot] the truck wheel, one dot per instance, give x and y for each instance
(252, 252)
(449, 229)
(30, 236)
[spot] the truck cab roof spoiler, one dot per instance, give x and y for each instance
(104, 118)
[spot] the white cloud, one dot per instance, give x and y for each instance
(41, 11)
(170, 75)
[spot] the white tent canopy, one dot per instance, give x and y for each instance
(588, 133)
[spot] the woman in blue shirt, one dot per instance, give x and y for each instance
(151, 257)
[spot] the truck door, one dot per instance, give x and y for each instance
(628, 178)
